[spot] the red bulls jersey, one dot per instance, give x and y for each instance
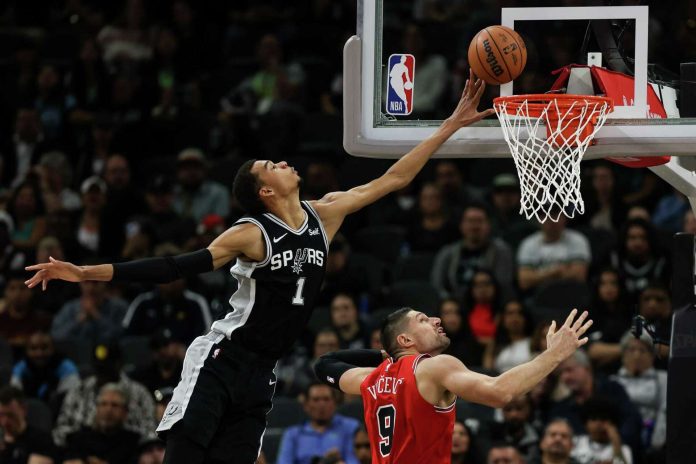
(403, 427)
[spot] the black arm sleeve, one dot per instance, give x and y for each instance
(331, 366)
(166, 269)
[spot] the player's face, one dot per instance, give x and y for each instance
(278, 178)
(557, 440)
(426, 334)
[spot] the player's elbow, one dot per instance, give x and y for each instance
(501, 395)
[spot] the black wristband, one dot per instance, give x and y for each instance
(166, 269)
(331, 366)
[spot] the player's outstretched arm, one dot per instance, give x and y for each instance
(453, 376)
(346, 369)
(336, 205)
(242, 239)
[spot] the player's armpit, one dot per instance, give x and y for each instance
(241, 240)
(454, 376)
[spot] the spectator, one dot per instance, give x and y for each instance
(483, 306)
(88, 80)
(24, 148)
(94, 316)
(611, 317)
(12, 259)
(52, 298)
(89, 224)
(80, 403)
(43, 373)
(512, 345)
(107, 439)
(352, 332)
(551, 254)
(655, 305)
(20, 443)
(604, 208)
(463, 345)
(463, 446)
(295, 372)
(505, 198)
(504, 454)
(55, 174)
(151, 451)
(171, 306)
(645, 386)
(195, 196)
(457, 194)
(325, 434)
(52, 103)
(167, 225)
(638, 258)
(123, 201)
(456, 263)
(345, 274)
(576, 373)
(361, 446)
(128, 39)
(516, 428)
(376, 339)
(168, 358)
(670, 211)
(27, 210)
(432, 68)
(431, 225)
(602, 443)
(556, 444)
(18, 316)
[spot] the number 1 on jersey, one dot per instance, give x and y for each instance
(385, 426)
(298, 299)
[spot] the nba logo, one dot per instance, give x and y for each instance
(400, 84)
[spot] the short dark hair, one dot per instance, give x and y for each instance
(246, 189)
(8, 394)
(391, 328)
(316, 383)
(600, 408)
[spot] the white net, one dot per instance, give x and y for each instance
(547, 142)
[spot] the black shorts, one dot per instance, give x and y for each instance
(218, 410)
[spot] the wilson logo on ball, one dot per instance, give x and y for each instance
(490, 59)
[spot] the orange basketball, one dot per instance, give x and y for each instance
(497, 55)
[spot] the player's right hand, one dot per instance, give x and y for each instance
(564, 341)
(53, 269)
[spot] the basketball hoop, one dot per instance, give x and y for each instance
(548, 165)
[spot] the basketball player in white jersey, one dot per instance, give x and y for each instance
(218, 410)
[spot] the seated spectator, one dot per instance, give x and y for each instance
(577, 374)
(55, 174)
(43, 373)
(168, 358)
(94, 316)
(12, 259)
(80, 403)
(18, 317)
(611, 317)
(456, 263)
(127, 39)
(646, 387)
(24, 147)
(324, 434)
(553, 253)
(185, 313)
(351, 331)
(345, 274)
(361, 446)
(195, 196)
(463, 345)
(556, 444)
(432, 67)
(464, 450)
(603, 442)
(27, 209)
(295, 372)
(670, 211)
(639, 259)
(512, 344)
(168, 226)
(655, 305)
(604, 208)
(516, 428)
(482, 305)
(456, 192)
(88, 226)
(20, 443)
(151, 451)
(505, 198)
(502, 453)
(376, 339)
(107, 439)
(431, 225)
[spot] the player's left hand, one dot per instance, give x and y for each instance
(466, 112)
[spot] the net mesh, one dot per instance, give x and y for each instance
(547, 142)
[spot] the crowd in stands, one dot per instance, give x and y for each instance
(123, 124)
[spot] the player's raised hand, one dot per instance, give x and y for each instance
(566, 339)
(53, 269)
(467, 112)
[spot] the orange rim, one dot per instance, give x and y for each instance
(537, 103)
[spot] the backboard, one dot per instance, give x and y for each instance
(647, 42)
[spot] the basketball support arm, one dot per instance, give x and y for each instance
(684, 180)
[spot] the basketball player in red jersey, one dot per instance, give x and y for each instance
(409, 397)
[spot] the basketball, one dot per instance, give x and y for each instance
(497, 55)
